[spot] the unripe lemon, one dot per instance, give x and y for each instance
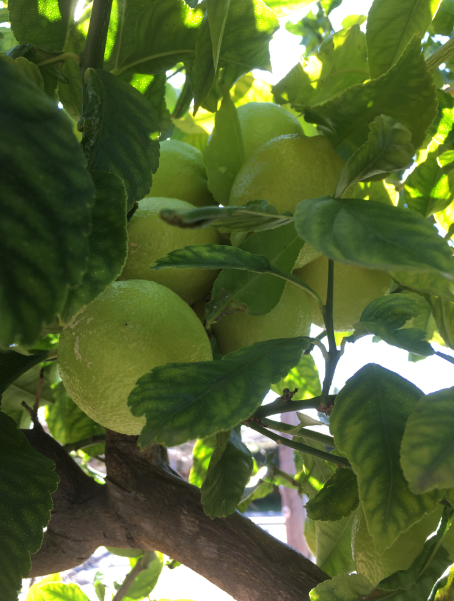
(290, 318)
(181, 174)
(402, 552)
(151, 238)
(285, 171)
(354, 288)
(131, 328)
(263, 121)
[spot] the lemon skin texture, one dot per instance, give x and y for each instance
(151, 238)
(354, 288)
(131, 328)
(262, 121)
(401, 553)
(287, 170)
(290, 318)
(181, 174)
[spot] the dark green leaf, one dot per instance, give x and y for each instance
(387, 149)
(45, 212)
(390, 27)
(147, 579)
(406, 93)
(152, 37)
(337, 499)
(371, 234)
(340, 64)
(27, 480)
(27, 68)
(443, 22)
(343, 587)
(227, 476)
(108, 243)
(67, 423)
(392, 311)
(304, 377)
(201, 456)
(120, 133)
(13, 365)
(257, 294)
(368, 422)
(334, 546)
(428, 189)
(217, 15)
(412, 340)
(182, 401)
(430, 282)
(427, 452)
(70, 93)
(42, 24)
(224, 154)
(443, 312)
(255, 216)
(315, 471)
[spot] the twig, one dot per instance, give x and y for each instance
(446, 357)
(140, 566)
(299, 446)
(86, 442)
(92, 56)
(333, 355)
(40, 388)
(311, 434)
(440, 55)
(280, 406)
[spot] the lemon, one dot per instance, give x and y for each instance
(354, 288)
(399, 556)
(291, 317)
(151, 238)
(263, 121)
(285, 171)
(181, 174)
(131, 328)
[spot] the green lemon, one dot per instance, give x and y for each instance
(399, 556)
(291, 317)
(181, 174)
(354, 288)
(285, 171)
(263, 121)
(131, 328)
(151, 238)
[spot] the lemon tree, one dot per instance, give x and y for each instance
(153, 291)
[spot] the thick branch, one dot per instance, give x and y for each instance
(144, 505)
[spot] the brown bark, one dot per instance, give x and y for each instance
(144, 505)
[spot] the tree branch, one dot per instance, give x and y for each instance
(144, 505)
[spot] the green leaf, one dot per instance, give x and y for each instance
(254, 293)
(147, 579)
(392, 311)
(387, 149)
(428, 189)
(304, 377)
(405, 92)
(443, 312)
(342, 588)
(67, 423)
(228, 473)
(70, 92)
(42, 24)
(108, 243)
(152, 37)
(249, 27)
(430, 282)
(427, 452)
(27, 68)
(57, 591)
(371, 234)
(334, 546)
(368, 422)
(13, 365)
(391, 26)
(201, 456)
(373, 191)
(217, 16)
(337, 499)
(224, 153)
(120, 133)
(315, 472)
(284, 7)
(45, 212)
(255, 216)
(426, 568)
(27, 480)
(182, 401)
(412, 340)
(443, 22)
(340, 64)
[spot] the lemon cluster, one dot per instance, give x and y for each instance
(149, 318)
